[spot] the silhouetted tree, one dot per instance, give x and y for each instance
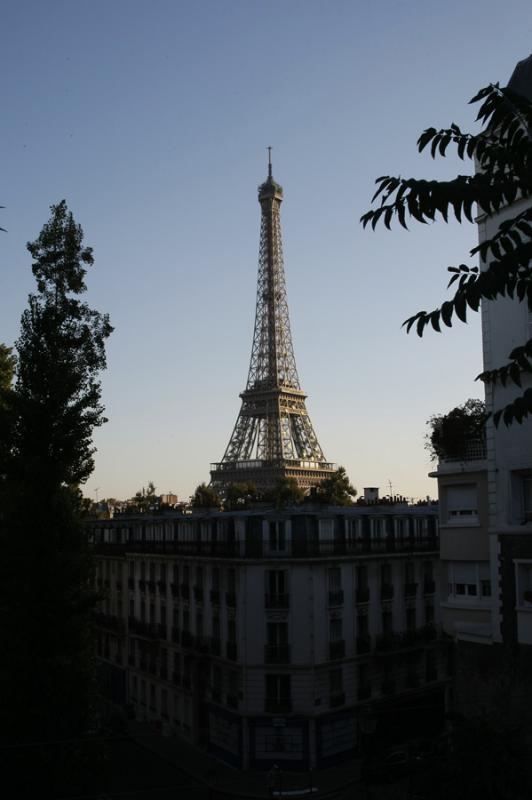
(503, 154)
(206, 497)
(287, 492)
(46, 600)
(335, 491)
(240, 496)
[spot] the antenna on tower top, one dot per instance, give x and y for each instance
(269, 162)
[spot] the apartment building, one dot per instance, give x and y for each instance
(275, 637)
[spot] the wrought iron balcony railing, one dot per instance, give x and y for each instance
(362, 594)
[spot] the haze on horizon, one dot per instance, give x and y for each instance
(152, 121)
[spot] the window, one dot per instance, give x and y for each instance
(216, 579)
(231, 630)
(277, 538)
(410, 572)
(362, 576)
(362, 625)
(143, 611)
(429, 614)
(163, 614)
(386, 574)
(387, 623)
(175, 574)
(410, 619)
(199, 576)
(276, 583)
(336, 629)
(216, 627)
(186, 575)
(277, 633)
(152, 571)
(152, 613)
(527, 498)
(278, 688)
(162, 573)
(461, 504)
(524, 583)
(335, 579)
(336, 681)
(131, 569)
(199, 624)
(468, 580)
(231, 581)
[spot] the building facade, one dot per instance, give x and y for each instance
(275, 637)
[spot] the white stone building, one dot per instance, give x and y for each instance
(273, 637)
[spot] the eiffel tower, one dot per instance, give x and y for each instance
(273, 437)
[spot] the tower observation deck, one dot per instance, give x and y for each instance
(273, 437)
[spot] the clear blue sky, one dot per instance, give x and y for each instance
(152, 120)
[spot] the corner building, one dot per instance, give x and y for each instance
(293, 637)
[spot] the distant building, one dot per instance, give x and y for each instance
(275, 637)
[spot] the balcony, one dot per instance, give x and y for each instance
(185, 591)
(176, 635)
(131, 584)
(277, 654)
(230, 599)
(142, 585)
(230, 650)
(118, 586)
(151, 587)
(214, 595)
(162, 630)
(410, 589)
(363, 644)
(388, 686)
(278, 705)
(198, 594)
(187, 640)
(216, 646)
(174, 588)
(336, 649)
(431, 674)
(412, 681)
(231, 700)
(176, 678)
(186, 681)
(131, 660)
(429, 586)
(161, 585)
(364, 692)
(336, 598)
(143, 665)
(387, 591)
(276, 601)
(362, 595)
(216, 694)
(337, 700)
(163, 672)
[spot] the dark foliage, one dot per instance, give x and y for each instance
(334, 491)
(46, 601)
(453, 435)
(503, 154)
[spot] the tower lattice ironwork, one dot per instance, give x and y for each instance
(273, 436)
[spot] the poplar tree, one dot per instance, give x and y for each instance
(46, 596)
